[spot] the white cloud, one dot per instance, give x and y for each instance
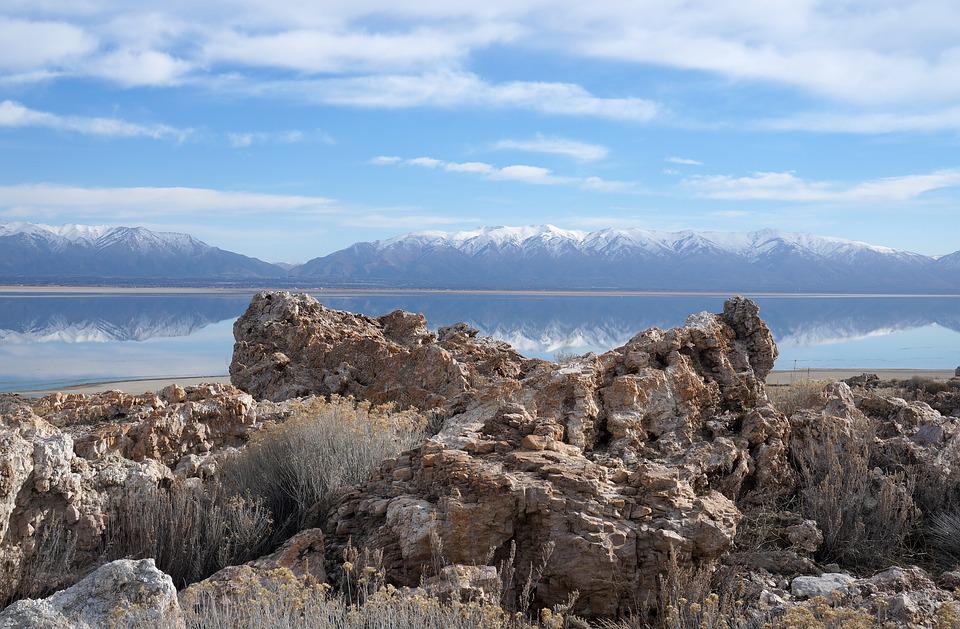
(399, 220)
(137, 68)
(469, 167)
(867, 122)
(580, 151)
(247, 139)
(34, 45)
(425, 162)
(861, 51)
(526, 174)
(386, 160)
(16, 115)
(786, 186)
(522, 173)
(684, 161)
(452, 89)
(328, 50)
(51, 200)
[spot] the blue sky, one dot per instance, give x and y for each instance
(289, 129)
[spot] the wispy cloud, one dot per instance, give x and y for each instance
(454, 89)
(515, 172)
(684, 161)
(787, 186)
(248, 139)
(51, 200)
(580, 151)
(869, 122)
(16, 115)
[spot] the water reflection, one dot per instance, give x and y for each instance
(55, 340)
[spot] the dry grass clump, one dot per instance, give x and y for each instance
(797, 396)
(865, 514)
(299, 467)
(283, 601)
(190, 531)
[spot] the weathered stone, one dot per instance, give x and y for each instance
(123, 593)
(824, 585)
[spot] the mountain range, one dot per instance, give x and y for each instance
(535, 257)
(76, 253)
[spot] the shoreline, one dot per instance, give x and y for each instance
(775, 378)
(12, 290)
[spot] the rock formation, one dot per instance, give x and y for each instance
(63, 457)
(611, 463)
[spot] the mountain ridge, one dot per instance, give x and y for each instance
(547, 257)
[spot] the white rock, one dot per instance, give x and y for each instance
(824, 585)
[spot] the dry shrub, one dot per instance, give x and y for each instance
(191, 532)
(797, 396)
(943, 536)
(298, 468)
(286, 602)
(822, 614)
(49, 566)
(865, 514)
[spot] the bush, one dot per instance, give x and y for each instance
(191, 532)
(283, 602)
(865, 515)
(50, 564)
(797, 396)
(298, 468)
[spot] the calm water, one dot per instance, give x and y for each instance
(57, 340)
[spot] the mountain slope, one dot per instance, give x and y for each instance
(551, 258)
(32, 251)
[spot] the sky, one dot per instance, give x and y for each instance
(292, 128)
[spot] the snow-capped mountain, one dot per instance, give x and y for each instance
(552, 258)
(35, 251)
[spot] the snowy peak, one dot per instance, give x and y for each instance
(749, 244)
(103, 236)
(548, 257)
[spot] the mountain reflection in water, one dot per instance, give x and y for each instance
(56, 340)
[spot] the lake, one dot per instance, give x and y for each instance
(59, 339)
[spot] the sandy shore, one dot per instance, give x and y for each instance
(776, 378)
(788, 377)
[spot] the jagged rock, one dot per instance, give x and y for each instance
(123, 593)
(824, 585)
(614, 463)
(64, 457)
(289, 345)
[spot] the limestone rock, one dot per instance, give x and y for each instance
(613, 463)
(122, 593)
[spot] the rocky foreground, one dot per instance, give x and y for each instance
(611, 479)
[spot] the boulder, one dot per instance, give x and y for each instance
(123, 593)
(824, 585)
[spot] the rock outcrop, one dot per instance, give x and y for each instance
(122, 593)
(609, 464)
(64, 457)
(289, 345)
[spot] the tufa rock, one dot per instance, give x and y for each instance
(611, 466)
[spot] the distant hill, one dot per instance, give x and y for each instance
(72, 252)
(547, 257)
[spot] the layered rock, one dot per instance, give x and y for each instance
(609, 464)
